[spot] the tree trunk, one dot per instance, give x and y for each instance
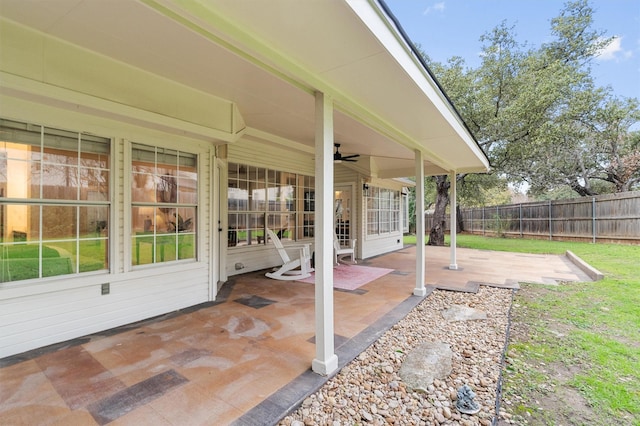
(436, 235)
(583, 191)
(459, 220)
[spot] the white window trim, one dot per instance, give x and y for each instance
(39, 285)
(128, 203)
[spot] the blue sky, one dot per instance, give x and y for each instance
(446, 28)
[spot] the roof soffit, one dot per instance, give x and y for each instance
(275, 37)
(254, 27)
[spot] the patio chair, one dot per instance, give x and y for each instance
(340, 252)
(291, 269)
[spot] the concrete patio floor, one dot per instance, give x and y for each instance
(244, 359)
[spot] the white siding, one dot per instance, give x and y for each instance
(271, 156)
(48, 66)
(249, 259)
(342, 174)
(374, 246)
(34, 321)
(118, 200)
(205, 222)
(35, 313)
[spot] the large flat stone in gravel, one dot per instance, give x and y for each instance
(463, 313)
(428, 361)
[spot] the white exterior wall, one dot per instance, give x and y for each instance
(377, 245)
(346, 176)
(369, 245)
(244, 259)
(35, 313)
(46, 83)
(374, 245)
(405, 210)
(277, 157)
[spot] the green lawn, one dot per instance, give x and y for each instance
(600, 324)
(166, 248)
(21, 261)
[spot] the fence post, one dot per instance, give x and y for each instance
(482, 220)
(610, 207)
(593, 218)
(550, 224)
(520, 219)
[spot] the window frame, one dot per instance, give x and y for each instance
(132, 250)
(56, 141)
(302, 191)
(382, 214)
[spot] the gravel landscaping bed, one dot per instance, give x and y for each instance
(369, 390)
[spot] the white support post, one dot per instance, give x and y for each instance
(326, 361)
(420, 289)
(453, 218)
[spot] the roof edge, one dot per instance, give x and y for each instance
(387, 11)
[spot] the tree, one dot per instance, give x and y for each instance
(436, 235)
(429, 197)
(522, 104)
(621, 165)
(598, 154)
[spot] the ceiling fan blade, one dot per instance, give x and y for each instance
(344, 157)
(338, 157)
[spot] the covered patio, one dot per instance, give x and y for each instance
(243, 358)
(222, 85)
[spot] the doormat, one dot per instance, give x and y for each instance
(350, 277)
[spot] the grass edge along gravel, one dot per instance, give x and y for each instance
(588, 332)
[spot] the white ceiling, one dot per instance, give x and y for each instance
(269, 57)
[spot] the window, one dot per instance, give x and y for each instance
(383, 211)
(309, 206)
(259, 197)
(55, 202)
(164, 188)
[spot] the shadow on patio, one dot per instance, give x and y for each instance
(245, 358)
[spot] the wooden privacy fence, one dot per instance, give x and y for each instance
(610, 217)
